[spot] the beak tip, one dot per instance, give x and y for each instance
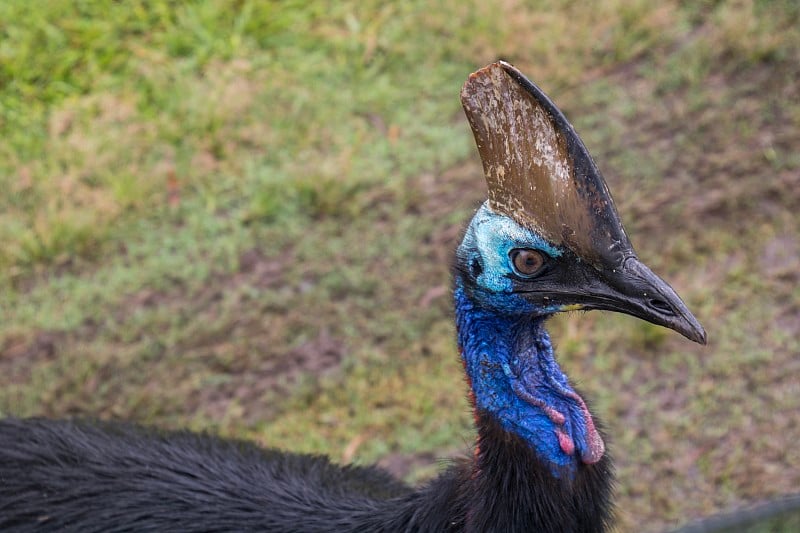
(695, 332)
(702, 338)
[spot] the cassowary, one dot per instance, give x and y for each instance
(548, 239)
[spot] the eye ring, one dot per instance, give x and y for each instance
(527, 262)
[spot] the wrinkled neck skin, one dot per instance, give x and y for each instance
(515, 378)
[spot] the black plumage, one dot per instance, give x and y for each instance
(95, 476)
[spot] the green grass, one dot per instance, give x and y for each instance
(239, 216)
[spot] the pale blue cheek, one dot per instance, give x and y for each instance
(495, 282)
(489, 239)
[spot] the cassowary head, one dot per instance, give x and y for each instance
(549, 238)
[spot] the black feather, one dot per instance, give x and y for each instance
(79, 476)
(512, 490)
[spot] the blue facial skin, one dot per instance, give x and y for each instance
(507, 352)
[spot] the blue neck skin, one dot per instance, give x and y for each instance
(514, 376)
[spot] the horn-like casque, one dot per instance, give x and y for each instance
(538, 170)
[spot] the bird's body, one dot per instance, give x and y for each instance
(72, 476)
(540, 462)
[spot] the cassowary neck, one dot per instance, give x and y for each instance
(538, 449)
(515, 378)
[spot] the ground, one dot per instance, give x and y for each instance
(240, 216)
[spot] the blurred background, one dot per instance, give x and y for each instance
(239, 216)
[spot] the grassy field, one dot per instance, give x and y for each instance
(239, 215)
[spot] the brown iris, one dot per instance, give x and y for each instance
(526, 261)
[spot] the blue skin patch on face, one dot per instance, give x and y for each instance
(507, 352)
(488, 240)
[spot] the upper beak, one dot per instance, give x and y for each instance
(634, 289)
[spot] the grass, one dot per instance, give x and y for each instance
(239, 216)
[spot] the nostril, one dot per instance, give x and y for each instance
(662, 306)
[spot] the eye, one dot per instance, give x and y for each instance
(526, 262)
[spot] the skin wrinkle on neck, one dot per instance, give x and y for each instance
(515, 377)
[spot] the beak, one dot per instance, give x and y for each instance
(629, 288)
(635, 290)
